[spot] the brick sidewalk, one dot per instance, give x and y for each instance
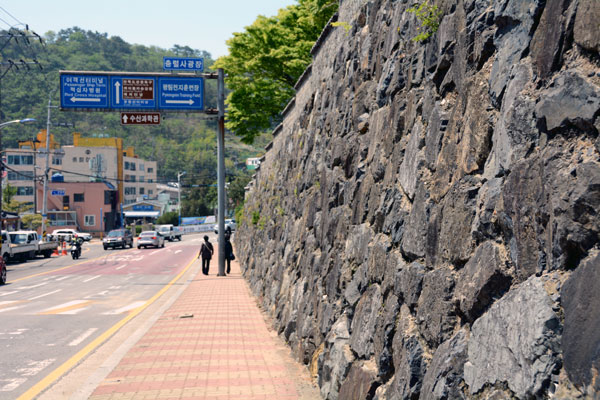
(212, 343)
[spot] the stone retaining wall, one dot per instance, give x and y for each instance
(425, 222)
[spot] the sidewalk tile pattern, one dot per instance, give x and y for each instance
(212, 343)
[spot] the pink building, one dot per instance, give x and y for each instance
(85, 206)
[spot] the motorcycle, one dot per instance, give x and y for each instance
(76, 248)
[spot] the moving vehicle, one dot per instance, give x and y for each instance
(229, 223)
(2, 271)
(65, 235)
(118, 238)
(17, 246)
(150, 238)
(76, 248)
(169, 232)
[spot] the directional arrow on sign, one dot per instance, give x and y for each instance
(190, 102)
(125, 118)
(117, 86)
(93, 99)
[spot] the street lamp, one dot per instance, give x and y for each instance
(2, 126)
(179, 175)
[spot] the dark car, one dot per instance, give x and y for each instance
(118, 238)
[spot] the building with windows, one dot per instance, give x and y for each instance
(87, 160)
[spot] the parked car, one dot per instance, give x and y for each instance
(2, 271)
(17, 245)
(150, 238)
(167, 231)
(67, 234)
(229, 223)
(118, 238)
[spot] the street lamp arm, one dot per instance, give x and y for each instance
(17, 121)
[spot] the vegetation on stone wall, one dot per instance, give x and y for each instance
(429, 16)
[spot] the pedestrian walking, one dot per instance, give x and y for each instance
(206, 252)
(228, 253)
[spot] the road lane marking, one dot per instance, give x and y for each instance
(35, 367)
(73, 361)
(83, 336)
(154, 252)
(121, 267)
(178, 251)
(91, 279)
(129, 307)
(7, 293)
(13, 384)
(72, 307)
(44, 295)
(34, 286)
(10, 308)
(62, 279)
(7, 302)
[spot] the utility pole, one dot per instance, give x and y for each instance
(221, 168)
(179, 175)
(46, 170)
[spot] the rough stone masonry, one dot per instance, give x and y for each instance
(425, 223)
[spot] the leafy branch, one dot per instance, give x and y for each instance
(430, 16)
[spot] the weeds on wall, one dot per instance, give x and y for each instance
(430, 16)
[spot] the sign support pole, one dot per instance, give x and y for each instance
(221, 168)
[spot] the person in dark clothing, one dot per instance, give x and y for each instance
(206, 252)
(228, 253)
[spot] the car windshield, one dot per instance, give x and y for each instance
(18, 238)
(115, 233)
(164, 229)
(149, 233)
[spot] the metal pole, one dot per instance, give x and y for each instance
(179, 199)
(46, 171)
(221, 168)
(34, 179)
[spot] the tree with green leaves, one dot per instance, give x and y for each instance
(266, 60)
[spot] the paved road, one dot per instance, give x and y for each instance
(54, 309)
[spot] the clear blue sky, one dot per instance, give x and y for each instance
(199, 24)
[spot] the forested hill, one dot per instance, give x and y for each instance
(181, 142)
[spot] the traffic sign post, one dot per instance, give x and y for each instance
(84, 91)
(132, 92)
(183, 64)
(129, 91)
(181, 93)
(140, 118)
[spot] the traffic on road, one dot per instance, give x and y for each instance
(53, 309)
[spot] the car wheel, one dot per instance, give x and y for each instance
(3, 275)
(6, 257)
(163, 244)
(139, 247)
(105, 247)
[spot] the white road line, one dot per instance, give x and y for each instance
(92, 278)
(154, 252)
(121, 267)
(125, 309)
(34, 367)
(10, 308)
(6, 302)
(83, 336)
(13, 384)
(63, 278)
(65, 305)
(19, 331)
(7, 293)
(34, 286)
(178, 251)
(44, 295)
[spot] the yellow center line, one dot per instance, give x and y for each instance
(73, 361)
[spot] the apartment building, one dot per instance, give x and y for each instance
(87, 160)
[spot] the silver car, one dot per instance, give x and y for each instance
(150, 238)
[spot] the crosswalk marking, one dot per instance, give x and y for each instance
(72, 307)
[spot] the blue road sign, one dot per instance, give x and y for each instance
(59, 192)
(183, 64)
(181, 94)
(83, 91)
(132, 92)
